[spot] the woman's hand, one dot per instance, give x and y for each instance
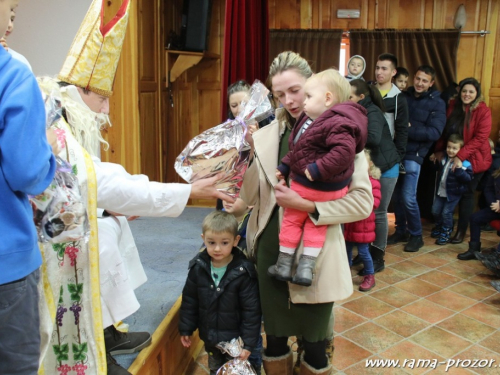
(439, 155)
(244, 355)
(287, 198)
(253, 127)
(457, 163)
(495, 206)
(186, 341)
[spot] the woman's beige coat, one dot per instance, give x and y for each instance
(332, 280)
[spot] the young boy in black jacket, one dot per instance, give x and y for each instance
(221, 294)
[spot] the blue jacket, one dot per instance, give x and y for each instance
(457, 182)
(427, 116)
(27, 166)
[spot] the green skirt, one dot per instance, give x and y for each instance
(282, 318)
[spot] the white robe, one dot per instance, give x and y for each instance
(121, 271)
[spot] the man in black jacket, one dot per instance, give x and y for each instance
(427, 114)
(221, 295)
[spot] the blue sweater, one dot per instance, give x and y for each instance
(27, 166)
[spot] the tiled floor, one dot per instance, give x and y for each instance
(426, 305)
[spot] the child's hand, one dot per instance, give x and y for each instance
(3, 42)
(495, 206)
(186, 341)
(244, 355)
(308, 175)
(279, 176)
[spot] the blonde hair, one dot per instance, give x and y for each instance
(289, 60)
(335, 82)
(373, 170)
(220, 222)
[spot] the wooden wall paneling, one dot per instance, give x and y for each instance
(149, 92)
(491, 71)
(123, 135)
(429, 14)
(306, 14)
(287, 14)
(149, 137)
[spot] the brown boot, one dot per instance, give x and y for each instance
(305, 369)
(278, 365)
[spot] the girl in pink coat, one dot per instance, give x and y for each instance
(362, 233)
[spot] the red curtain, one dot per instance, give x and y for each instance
(246, 44)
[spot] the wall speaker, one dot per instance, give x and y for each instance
(195, 24)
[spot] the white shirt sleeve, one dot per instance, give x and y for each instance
(127, 194)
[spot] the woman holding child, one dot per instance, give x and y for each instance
(290, 309)
(468, 116)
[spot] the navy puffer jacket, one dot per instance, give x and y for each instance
(457, 182)
(225, 312)
(427, 118)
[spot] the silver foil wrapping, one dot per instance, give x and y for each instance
(223, 148)
(235, 366)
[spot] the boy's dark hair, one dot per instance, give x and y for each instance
(427, 69)
(456, 138)
(389, 56)
(361, 87)
(400, 71)
(220, 222)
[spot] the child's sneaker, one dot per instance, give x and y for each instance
(402, 169)
(368, 283)
(436, 231)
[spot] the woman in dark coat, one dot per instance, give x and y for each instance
(385, 156)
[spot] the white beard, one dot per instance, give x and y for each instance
(86, 125)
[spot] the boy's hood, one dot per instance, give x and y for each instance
(362, 72)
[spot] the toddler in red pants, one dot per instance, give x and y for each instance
(320, 163)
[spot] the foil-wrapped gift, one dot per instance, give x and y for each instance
(223, 148)
(235, 366)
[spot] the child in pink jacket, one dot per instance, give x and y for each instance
(362, 233)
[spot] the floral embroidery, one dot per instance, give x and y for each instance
(80, 369)
(76, 308)
(71, 252)
(61, 352)
(64, 369)
(80, 351)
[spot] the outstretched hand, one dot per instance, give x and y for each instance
(287, 198)
(205, 189)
